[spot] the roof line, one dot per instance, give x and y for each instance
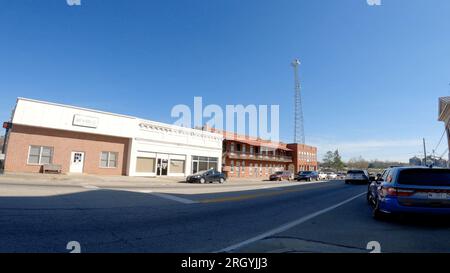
(142, 120)
(76, 107)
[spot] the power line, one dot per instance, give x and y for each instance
(440, 140)
(446, 150)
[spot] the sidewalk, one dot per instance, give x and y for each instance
(112, 181)
(25, 184)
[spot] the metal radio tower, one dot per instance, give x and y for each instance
(299, 134)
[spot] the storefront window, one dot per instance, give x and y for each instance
(176, 166)
(145, 165)
(202, 163)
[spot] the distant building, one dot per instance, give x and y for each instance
(431, 160)
(437, 161)
(246, 156)
(415, 161)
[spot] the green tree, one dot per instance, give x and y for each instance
(333, 160)
(338, 164)
(328, 160)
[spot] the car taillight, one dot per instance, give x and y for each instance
(390, 191)
(405, 192)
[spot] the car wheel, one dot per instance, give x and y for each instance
(221, 181)
(377, 213)
(202, 180)
(370, 199)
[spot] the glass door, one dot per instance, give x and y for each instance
(162, 166)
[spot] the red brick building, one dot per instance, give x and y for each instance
(245, 156)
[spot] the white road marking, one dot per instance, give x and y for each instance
(173, 198)
(91, 187)
(288, 225)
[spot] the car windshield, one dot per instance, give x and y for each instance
(306, 173)
(425, 177)
(279, 173)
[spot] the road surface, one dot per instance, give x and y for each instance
(322, 217)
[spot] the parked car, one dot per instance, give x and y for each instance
(341, 175)
(281, 175)
(410, 190)
(322, 176)
(357, 176)
(331, 175)
(208, 176)
(307, 176)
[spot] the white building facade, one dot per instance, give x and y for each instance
(81, 140)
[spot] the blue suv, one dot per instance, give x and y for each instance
(410, 190)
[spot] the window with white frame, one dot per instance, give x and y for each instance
(232, 166)
(40, 155)
(108, 160)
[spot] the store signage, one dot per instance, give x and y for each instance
(85, 121)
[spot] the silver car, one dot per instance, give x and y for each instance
(357, 176)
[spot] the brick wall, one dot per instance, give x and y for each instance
(64, 143)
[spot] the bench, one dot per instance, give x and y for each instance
(51, 168)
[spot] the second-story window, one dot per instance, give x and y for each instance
(244, 148)
(232, 147)
(251, 149)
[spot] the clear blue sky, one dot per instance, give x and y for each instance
(371, 75)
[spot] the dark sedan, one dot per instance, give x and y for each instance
(281, 175)
(209, 176)
(308, 176)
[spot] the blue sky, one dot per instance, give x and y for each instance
(371, 75)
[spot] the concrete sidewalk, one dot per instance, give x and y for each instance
(162, 184)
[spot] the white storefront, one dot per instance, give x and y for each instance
(162, 149)
(154, 148)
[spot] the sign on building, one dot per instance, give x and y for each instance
(85, 121)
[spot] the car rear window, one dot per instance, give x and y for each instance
(355, 172)
(425, 177)
(306, 172)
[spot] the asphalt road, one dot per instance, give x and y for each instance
(324, 217)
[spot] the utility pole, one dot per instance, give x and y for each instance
(299, 133)
(425, 152)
